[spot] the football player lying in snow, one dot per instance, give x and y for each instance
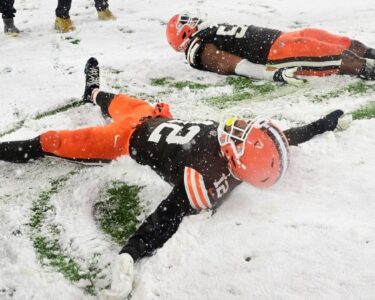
(268, 54)
(204, 161)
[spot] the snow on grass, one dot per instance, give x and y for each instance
(309, 237)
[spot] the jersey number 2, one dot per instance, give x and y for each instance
(173, 137)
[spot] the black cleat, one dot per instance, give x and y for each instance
(92, 78)
(330, 121)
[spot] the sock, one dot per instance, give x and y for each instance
(103, 99)
(21, 151)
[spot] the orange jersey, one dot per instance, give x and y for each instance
(104, 142)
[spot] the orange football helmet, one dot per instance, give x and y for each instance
(257, 152)
(180, 28)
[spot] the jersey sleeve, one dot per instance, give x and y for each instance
(196, 190)
(193, 53)
(160, 225)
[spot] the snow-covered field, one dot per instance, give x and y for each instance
(310, 237)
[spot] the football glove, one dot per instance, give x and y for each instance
(288, 75)
(122, 279)
(344, 122)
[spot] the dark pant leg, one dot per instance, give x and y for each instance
(101, 4)
(63, 8)
(7, 9)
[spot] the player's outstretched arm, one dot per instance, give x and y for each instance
(304, 133)
(151, 235)
(226, 63)
(257, 71)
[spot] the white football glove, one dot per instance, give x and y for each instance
(122, 279)
(288, 75)
(344, 122)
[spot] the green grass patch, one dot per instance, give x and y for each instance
(72, 40)
(240, 84)
(54, 111)
(243, 89)
(170, 83)
(353, 89)
(45, 238)
(365, 112)
(117, 211)
(17, 126)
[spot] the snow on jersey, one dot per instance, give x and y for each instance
(185, 153)
(250, 42)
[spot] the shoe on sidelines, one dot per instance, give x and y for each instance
(10, 28)
(92, 73)
(64, 25)
(106, 15)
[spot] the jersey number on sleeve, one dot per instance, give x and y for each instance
(173, 136)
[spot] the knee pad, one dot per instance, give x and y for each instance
(50, 141)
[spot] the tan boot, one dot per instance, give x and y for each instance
(64, 25)
(106, 15)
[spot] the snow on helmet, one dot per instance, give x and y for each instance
(257, 151)
(180, 28)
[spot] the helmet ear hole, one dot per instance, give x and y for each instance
(184, 35)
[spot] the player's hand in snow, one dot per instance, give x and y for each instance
(122, 279)
(344, 122)
(288, 75)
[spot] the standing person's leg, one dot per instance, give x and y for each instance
(103, 12)
(8, 14)
(7, 9)
(63, 8)
(63, 22)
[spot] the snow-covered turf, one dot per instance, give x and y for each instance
(309, 237)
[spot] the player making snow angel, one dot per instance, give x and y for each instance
(204, 161)
(268, 54)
